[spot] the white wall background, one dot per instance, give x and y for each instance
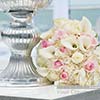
(61, 8)
(84, 2)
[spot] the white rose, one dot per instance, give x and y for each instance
(58, 53)
(53, 76)
(60, 22)
(73, 27)
(77, 57)
(70, 26)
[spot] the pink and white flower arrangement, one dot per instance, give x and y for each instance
(68, 54)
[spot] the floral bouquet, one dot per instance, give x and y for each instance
(69, 54)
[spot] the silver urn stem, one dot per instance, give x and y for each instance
(21, 36)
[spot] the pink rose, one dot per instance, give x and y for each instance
(57, 64)
(64, 76)
(63, 49)
(45, 43)
(94, 41)
(59, 35)
(90, 66)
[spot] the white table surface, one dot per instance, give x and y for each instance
(44, 92)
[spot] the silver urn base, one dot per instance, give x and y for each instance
(21, 36)
(20, 70)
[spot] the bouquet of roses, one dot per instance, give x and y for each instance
(69, 54)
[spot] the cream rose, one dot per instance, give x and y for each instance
(77, 57)
(53, 75)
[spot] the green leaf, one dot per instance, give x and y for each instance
(96, 35)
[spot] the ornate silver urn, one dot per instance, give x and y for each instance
(21, 36)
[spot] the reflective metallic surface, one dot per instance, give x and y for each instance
(20, 70)
(30, 5)
(20, 41)
(21, 36)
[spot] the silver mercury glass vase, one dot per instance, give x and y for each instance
(21, 36)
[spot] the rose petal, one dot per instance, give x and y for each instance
(45, 43)
(57, 64)
(64, 76)
(90, 66)
(77, 57)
